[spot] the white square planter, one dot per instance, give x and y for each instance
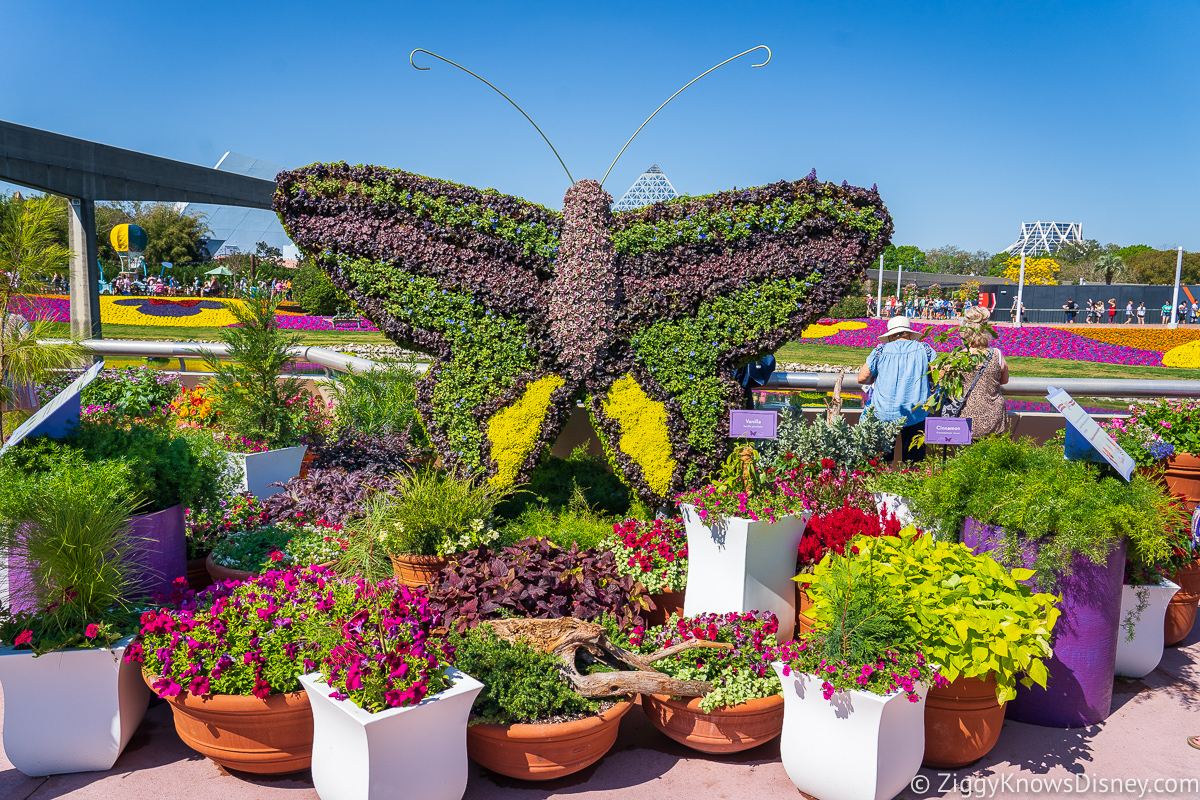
(740, 565)
(1140, 657)
(419, 751)
(854, 746)
(69, 711)
(260, 470)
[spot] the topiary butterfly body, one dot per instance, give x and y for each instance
(648, 312)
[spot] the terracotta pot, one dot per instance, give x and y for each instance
(545, 752)
(1181, 611)
(804, 622)
(416, 571)
(1183, 478)
(197, 574)
(306, 462)
(665, 604)
(267, 737)
(962, 722)
(724, 730)
(219, 573)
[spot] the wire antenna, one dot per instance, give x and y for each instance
(672, 97)
(502, 94)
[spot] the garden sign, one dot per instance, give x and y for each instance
(1081, 425)
(753, 424)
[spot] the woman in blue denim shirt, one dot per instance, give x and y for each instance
(899, 372)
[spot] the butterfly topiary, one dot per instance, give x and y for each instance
(644, 313)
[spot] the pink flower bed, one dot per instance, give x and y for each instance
(1015, 342)
(49, 309)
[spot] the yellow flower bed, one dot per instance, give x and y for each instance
(644, 436)
(1160, 339)
(819, 331)
(515, 430)
(1186, 355)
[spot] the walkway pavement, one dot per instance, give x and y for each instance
(1144, 739)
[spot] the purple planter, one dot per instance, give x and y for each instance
(1079, 690)
(160, 549)
(160, 554)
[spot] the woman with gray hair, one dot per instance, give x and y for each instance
(984, 403)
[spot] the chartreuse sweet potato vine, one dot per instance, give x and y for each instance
(972, 616)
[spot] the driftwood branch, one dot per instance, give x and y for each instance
(566, 636)
(690, 644)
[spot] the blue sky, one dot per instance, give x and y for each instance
(971, 117)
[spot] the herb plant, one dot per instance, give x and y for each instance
(132, 392)
(520, 684)
(381, 401)
(68, 529)
(1069, 507)
(433, 513)
(738, 675)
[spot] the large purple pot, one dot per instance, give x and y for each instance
(160, 549)
(159, 553)
(1079, 690)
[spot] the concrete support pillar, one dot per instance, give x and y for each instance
(85, 271)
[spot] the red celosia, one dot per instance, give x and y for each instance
(832, 532)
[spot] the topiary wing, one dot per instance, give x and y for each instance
(456, 272)
(708, 284)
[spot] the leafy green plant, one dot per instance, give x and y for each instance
(738, 674)
(432, 513)
(315, 293)
(68, 529)
(973, 617)
(554, 481)
(520, 684)
(132, 392)
(1069, 508)
(248, 395)
(577, 524)
(380, 401)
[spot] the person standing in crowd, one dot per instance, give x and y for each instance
(1166, 312)
(1141, 313)
(984, 405)
(1112, 310)
(1182, 316)
(898, 372)
(1128, 312)
(1071, 307)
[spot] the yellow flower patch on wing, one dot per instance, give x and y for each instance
(514, 431)
(644, 437)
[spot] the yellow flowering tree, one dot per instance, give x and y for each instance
(1038, 271)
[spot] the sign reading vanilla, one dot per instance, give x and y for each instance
(1090, 430)
(753, 424)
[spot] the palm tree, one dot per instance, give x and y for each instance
(28, 247)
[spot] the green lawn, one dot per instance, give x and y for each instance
(805, 353)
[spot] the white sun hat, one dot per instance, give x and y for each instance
(896, 325)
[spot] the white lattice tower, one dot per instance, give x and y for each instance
(1045, 237)
(650, 187)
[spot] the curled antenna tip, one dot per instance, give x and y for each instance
(768, 61)
(422, 50)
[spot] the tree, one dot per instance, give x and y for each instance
(953, 260)
(265, 252)
(171, 235)
(910, 258)
(29, 242)
(1038, 271)
(1089, 261)
(1133, 250)
(1158, 267)
(315, 293)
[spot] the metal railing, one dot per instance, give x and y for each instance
(1077, 387)
(333, 361)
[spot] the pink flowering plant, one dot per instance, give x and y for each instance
(1175, 421)
(243, 638)
(742, 489)
(386, 653)
(205, 529)
(654, 553)
(737, 667)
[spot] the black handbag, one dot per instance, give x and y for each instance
(954, 407)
